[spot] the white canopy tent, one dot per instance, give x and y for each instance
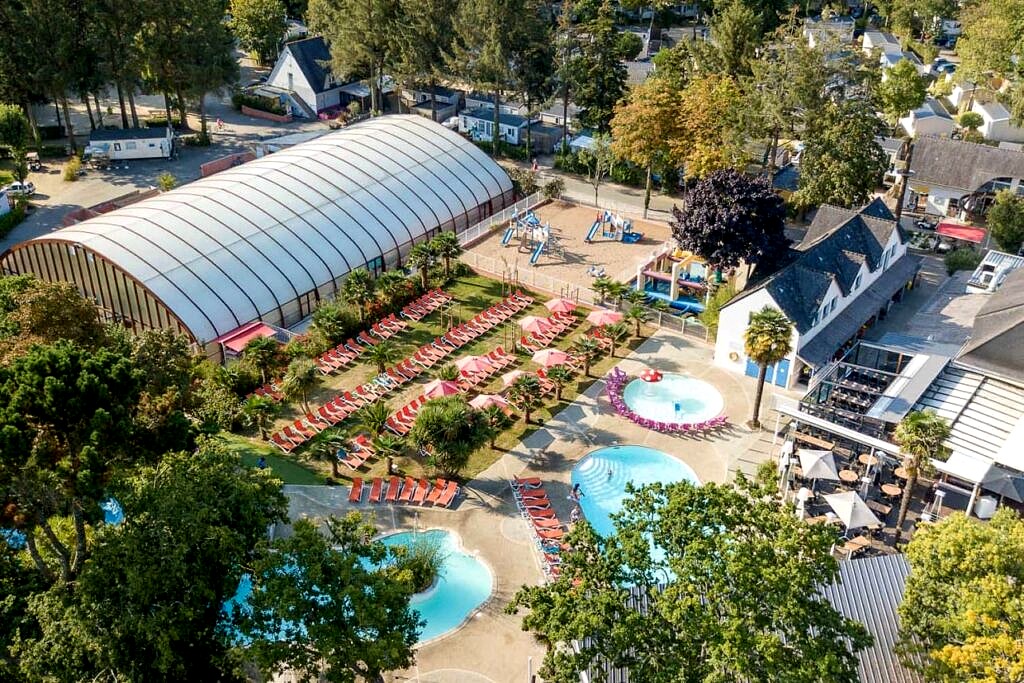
(852, 510)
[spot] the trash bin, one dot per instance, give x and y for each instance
(985, 507)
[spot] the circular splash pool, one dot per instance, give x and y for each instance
(676, 398)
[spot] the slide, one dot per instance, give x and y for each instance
(508, 237)
(537, 252)
(592, 233)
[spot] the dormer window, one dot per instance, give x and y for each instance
(856, 282)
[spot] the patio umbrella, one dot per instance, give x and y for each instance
(561, 305)
(602, 317)
(533, 323)
(472, 364)
(852, 510)
(1007, 486)
(487, 400)
(817, 464)
(509, 378)
(550, 357)
(440, 387)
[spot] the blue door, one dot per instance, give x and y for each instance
(776, 374)
(753, 369)
(782, 373)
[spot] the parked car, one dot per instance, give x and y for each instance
(17, 189)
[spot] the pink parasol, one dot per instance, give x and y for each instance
(471, 364)
(561, 305)
(602, 317)
(487, 400)
(509, 378)
(550, 357)
(651, 375)
(533, 323)
(440, 387)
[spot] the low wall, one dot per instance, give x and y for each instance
(223, 163)
(256, 113)
(84, 213)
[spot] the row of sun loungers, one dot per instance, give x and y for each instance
(560, 323)
(441, 493)
(426, 304)
(535, 506)
(269, 390)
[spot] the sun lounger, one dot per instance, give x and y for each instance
(450, 492)
(357, 490)
(407, 490)
(393, 487)
(435, 493)
(547, 523)
(421, 492)
(527, 482)
(367, 339)
(281, 442)
(550, 534)
(376, 488)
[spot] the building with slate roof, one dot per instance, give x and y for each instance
(851, 268)
(955, 178)
(303, 69)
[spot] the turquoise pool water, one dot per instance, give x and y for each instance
(603, 495)
(676, 398)
(465, 583)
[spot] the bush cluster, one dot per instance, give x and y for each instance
(505, 150)
(962, 259)
(267, 104)
(71, 169)
(12, 218)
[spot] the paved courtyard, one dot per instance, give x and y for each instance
(491, 646)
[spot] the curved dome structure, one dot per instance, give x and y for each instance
(267, 239)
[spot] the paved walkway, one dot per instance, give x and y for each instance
(490, 646)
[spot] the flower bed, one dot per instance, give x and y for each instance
(615, 383)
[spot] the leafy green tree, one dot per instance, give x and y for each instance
(525, 395)
(736, 32)
(191, 523)
(1006, 221)
(920, 435)
(259, 25)
(560, 376)
(425, 38)
(342, 606)
(421, 258)
(357, 290)
(445, 245)
(258, 412)
(382, 355)
(993, 36)
(645, 125)
(390, 446)
(767, 340)
(842, 163)
(709, 316)
(599, 74)
(616, 333)
(533, 61)
(962, 615)
(15, 133)
(373, 418)
(901, 91)
(971, 121)
(598, 159)
(390, 285)
(335, 321)
(360, 37)
(168, 367)
(40, 312)
(450, 430)
(18, 584)
(119, 51)
(735, 594)
(263, 354)
(630, 45)
(66, 423)
(586, 349)
(301, 377)
(211, 63)
(566, 53)
(602, 286)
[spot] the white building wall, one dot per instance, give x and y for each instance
(119, 150)
(931, 125)
(1001, 130)
(279, 78)
(732, 323)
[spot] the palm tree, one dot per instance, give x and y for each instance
(389, 285)
(617, 291)
(767, 340)
(325, 447)
(373, 418)
(301, 377)
(498, 420)
(587, 349)
(635, 296)
(446, 246)
(616, 333)
(919, 435)
(257, 412)
(389, 445)
(382, 355)
(602, 286)
(450, 430)
(559, 376)
(638, 315)
(357, 289)
(261, 353)
(525, 394)
(421, 258)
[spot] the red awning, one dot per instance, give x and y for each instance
(237, 339)
(966, 233)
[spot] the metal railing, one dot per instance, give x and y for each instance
(493, 222)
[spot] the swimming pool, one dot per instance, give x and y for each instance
(639, 465)
(676, 398)
(464, 584)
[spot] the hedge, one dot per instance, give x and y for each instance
(268, 104)
(12, 218)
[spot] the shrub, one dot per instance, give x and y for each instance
(553, 189)
(158, 121)
(13, 217)
(51, 151)
(267, 104)
(962, 259)
(166, 181)
(524, 181)
(504, 149)
(423, 559)
(71, 169)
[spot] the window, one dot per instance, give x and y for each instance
(832, 306)
(824, 311)
(129, 145)
(856, 283)
(814, 319)
(117, 146)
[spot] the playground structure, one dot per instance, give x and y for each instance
(614, 227)
(677, 277)
(534, 237)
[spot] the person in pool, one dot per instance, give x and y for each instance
(577, 492)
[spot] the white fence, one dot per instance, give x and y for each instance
(481, 229)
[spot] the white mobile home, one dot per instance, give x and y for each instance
(997, 125)
(133, 143)
(928, 119)
(479, 124)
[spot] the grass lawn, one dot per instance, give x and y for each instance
(473, 294)
(285, 467)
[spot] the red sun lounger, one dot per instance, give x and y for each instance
(421, 492)
(393, 486)
(357, 490)
(439, 487)
(376, 488)
(450, 491)
(407, 490)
